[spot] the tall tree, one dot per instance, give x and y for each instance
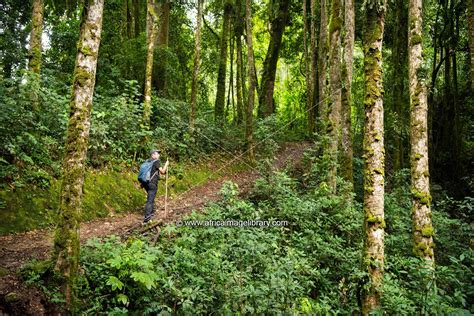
(252, 78)
(238, 33)
(35, 37)
(197, 60)
(221, 76)
(334, 109)
(308, 70)
(348, 60)
(279, 16)
(399, 61)
(374, 222)
(136, 17)
(152, 31)
(420, 180)
(322, 61)
(162, 40)
(66, 241)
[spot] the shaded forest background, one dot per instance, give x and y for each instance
(313, 267)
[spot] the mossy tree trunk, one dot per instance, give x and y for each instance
(152, 31)
(252, 78)
(322, 63)
(334, 105)
(374, 223)
(66, 241)
(279, 17)
(34, 64)
(238, 32)
(420, 179)
(221, 75)
(348, 60)
(197, 60)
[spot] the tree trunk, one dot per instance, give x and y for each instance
(278, 22)
(162, 39)
(221, 76)
(238, 29)
(322, 64)
(66, 241)
(314, 64)
(152, 30)
(197, 59)
(136, 17)
(308, 72)
(348, 60)
(333, 127)
(470, 23)
(399, 58)
(374, 223)
(251, 75)
(128, 12)
(420, 179)
(35, 37)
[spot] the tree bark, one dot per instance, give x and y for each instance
(334, 109)
(221, 76)
(278, 23)
(239, 64)
(197, 60)
(322, 64)
(128, 11)
(252, 77)
(348, 60)
(66, 241)
(420, 179)
(374, 223)
(152, 31)
(35, 37)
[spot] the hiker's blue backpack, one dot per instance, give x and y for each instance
(145, 171)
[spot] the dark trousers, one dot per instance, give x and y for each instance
(151, 190)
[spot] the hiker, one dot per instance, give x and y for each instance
(149, 175)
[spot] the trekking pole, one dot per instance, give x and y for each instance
(166, 193)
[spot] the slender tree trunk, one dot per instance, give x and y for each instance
(35, 37)
(374, 223)
(197, 60)
(251, 74)
(470, 23)
(322, 63)
(308, 72)
(420, 176)
(314, 63)
(136, 17)
(239, 64)
(399, 58)
(152, 20)
(128, 11)
(278, 22)
(348, 60)
(221, 76)
(333, 127)
(162, 39)
(66, 241)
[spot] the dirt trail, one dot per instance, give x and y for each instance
(16, 249)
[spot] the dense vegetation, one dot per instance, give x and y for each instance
(379, 212)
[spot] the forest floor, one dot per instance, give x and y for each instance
(18, 249)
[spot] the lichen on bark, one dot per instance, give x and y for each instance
(66, 241)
